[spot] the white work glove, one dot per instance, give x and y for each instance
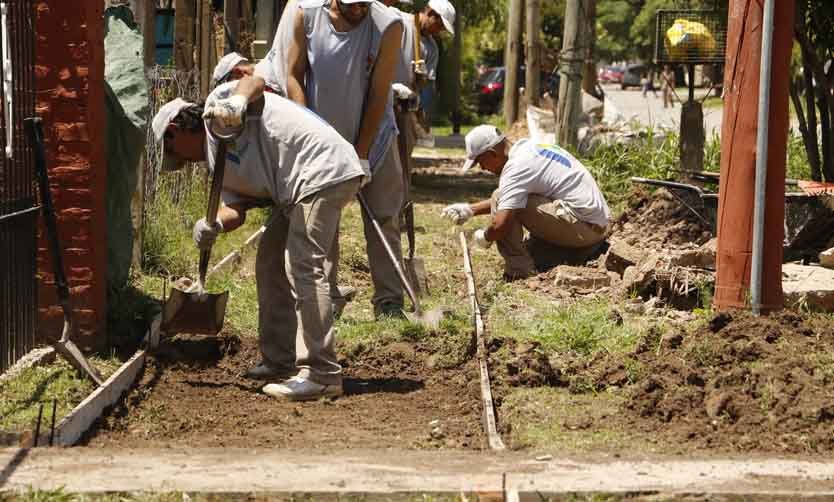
(401, 91)
(227, 113)
(458, 213)
(481, 240)
(205, 234)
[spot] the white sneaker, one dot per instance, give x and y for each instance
(301, 389)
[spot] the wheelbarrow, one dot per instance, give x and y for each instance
(809, 218)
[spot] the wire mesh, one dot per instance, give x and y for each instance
(18, 203)
(690, 37)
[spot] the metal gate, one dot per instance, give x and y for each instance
(18, 201)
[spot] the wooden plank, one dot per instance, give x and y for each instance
(490, 426)
(204, 41)
(78, 421)
(231, 14)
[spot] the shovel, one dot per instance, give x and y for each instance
(415, 268)
(194, 310)
(430, 319)
(64, 346)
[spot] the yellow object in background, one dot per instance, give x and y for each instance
(688, 40)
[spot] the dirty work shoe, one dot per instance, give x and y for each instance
(301, 389)
(346, 294)
(264, 371)
(391, 310)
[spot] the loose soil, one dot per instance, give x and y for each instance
(657, 220)
(738, 384)
(192, 393)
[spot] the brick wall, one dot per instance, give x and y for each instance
(70, 98)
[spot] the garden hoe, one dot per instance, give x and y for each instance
(64, 346)
(194, 310)
(430, 319)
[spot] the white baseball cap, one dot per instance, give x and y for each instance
(478, 141)
(447, 13)
(160, 123)
(225, 66)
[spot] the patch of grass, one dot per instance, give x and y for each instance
(23, 394)
(548, 418)
(584, 327)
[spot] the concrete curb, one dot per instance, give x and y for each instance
(487, 476)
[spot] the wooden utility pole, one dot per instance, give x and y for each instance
(511, 61)
(569, 107)
(738, 155)
(457, 51)
(589, 70)
(534, 25)
(184, 20)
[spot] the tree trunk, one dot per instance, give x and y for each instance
(534, 24)
(457, 52)
(812, 140)
(826, 136)
(589, 71)
(511, 61)
(808, 136)
(569, 107)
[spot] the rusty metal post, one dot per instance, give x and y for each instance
(738, 156)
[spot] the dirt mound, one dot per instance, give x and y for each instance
(740, 382)
(657, 220)
(520, 364)
(393, 398)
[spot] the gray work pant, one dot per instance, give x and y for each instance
(295, 309)
(545, 219)
(385, 197)
(405, 143)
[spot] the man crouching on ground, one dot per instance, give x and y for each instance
(542, 188)
(293, 159)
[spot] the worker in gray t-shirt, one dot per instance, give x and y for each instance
(341, 65)
(285, 156)
(541, 188)
(417, 70)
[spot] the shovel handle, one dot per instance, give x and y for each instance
(390, 252)
(213, 201)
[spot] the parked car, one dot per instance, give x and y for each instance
(490, 87)
(632, 75)
(611, 74)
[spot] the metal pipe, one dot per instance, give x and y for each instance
(757, 264)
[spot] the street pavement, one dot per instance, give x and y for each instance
(649, 110)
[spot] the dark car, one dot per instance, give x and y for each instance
(490, 87)
(632, 75)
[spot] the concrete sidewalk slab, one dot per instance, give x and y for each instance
(91, 470)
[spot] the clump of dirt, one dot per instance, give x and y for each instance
(740, 383)
(520, 364)
(393, 398)
(657, 220)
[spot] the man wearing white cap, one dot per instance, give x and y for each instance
(541, 188)
(417, 70)
(341, 65)
(289, 158)
(232, 66)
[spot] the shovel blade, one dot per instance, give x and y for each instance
(194, 313)
(430, 318)
(75, 357)
(415, 269)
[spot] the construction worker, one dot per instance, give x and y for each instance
(232, 66)
(417, 70)
(541, 188)
(341, 65)
(287, 157)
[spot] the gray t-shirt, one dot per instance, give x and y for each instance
(285, 153)
(339, 68)
(429, 52)
(552, 172)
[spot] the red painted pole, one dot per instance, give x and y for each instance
(738, 155)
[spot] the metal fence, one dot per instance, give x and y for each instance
(18, 201)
